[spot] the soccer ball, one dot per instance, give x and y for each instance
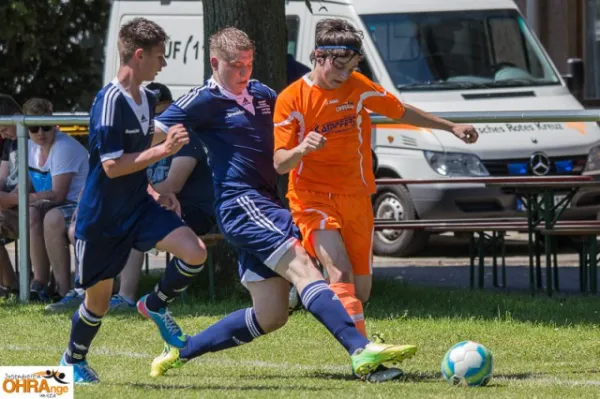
(468, 364)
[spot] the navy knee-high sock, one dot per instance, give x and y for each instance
(177, 277)
(322, 302)
(84, 327)
(238, 328)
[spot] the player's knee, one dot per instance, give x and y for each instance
(195, 255)
(272, 320)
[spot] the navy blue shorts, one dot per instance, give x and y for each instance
(104, 258)
(261, 230)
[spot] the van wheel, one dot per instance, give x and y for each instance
(395, 203)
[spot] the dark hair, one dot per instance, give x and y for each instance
(139, 33)
(37, 106)
(337, 32)
(8, 105)
(226, 41)
(161, 92)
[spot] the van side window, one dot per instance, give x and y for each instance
(292, 24)
(365, 69)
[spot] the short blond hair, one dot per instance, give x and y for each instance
(227, 41)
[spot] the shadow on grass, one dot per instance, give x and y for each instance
(205, 388)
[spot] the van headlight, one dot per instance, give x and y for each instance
(592, 165)
(455, 164)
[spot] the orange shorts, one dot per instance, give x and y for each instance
(350, 214)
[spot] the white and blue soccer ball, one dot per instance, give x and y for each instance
(468, 363)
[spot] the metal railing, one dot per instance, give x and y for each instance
(22, 122)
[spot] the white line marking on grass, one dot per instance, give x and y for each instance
(336, 368)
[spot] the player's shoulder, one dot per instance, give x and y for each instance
(150, 95)
(259, 89)
(358, 79)
(293, 91)
(196, 95)
(108, 99)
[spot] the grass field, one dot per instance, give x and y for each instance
(542, 348)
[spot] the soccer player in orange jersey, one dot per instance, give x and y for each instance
(323, 136)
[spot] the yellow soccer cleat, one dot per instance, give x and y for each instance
(168, 359)
(374, 355)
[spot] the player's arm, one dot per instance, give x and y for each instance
(180, 170)
(417, 117)
(289, 122)
(126, 164)
(378, 100)
(286, 160)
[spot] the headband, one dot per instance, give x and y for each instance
(356, 50)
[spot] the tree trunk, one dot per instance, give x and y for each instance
(264, 22)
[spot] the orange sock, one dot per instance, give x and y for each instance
(347, 295)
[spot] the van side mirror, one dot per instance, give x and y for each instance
(574, 78)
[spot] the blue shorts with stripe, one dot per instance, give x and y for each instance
(259, 227)
(102, 258)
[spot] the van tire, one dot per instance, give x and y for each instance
(395, 202)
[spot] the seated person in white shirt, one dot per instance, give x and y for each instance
(58, 167)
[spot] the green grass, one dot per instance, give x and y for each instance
(542, 348)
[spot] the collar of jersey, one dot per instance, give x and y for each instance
(235, 97)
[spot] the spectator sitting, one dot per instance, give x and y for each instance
(55, 223)
(8, 198)
(186, 174)
(58, 167)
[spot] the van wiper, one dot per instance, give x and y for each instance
(441, 85)
(520, 83)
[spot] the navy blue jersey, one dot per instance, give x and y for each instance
(197, 191)
(111, 207)
(236, 129)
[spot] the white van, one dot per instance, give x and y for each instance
(439, 55)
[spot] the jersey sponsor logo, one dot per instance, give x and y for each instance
(345, 107)
(234, 113)
(132, 131)
(264, 107)
(337, 126)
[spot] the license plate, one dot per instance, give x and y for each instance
(557, 198)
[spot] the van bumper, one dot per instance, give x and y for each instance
(445, 201)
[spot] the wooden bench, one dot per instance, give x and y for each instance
(210, 241)
(481, 239)
(587, 232)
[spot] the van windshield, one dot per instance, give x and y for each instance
(459, 50)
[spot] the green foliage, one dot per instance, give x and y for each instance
(53, 49)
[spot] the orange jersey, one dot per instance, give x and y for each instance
(344, 164)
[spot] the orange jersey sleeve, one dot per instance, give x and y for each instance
(377, 99)
(287, 120)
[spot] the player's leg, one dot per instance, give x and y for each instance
(99, 262)
(320, 221)
(268, 313)
(164, 230)
(129, 281)
(297, 267)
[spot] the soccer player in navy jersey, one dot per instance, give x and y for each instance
(233, 117)
(118, 210)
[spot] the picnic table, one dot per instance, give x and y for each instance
(538, 194)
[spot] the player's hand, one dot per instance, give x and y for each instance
(170, 202)
(177, 137)
(466, 133)
(312, 142)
